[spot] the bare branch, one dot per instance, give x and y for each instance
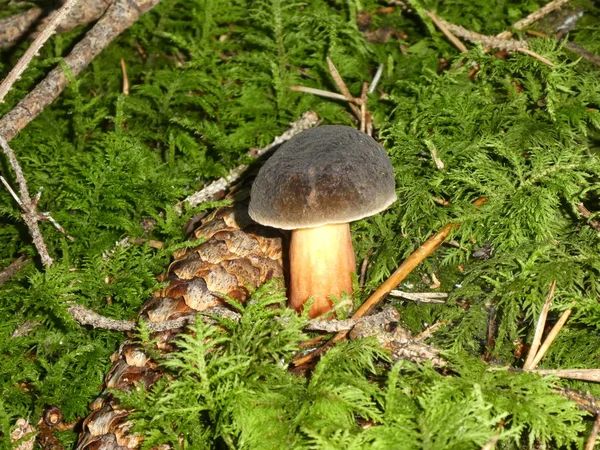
(34, 48)
(423, 297)
(10, 271)
(27, 25)
(443, 26)
(376, 79)
(572, 374)
(591, 443)
(120, 15)
(533, 17)
(319, 92)
(29, 214)
(389, 314)
(85, 316)
(539, 329)
(550, 338)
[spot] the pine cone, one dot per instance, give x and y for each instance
(236, 253)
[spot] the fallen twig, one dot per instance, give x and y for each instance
(489, 41)
(444, 29)
(386, 316)
(363, 268)
(572, 374)
(539, 330)
(85, 316)
(357, 105)
(120, 15)
(595, 224)
(22, 26)
(376, 79)
(30, 217)
(422, 297)
(591, 442)
(319, 92)
(550, 338)
(585, 401)
(8, 272)
(24, 329)
(125, 78)
(533, 17)
(339, 82)
(34, 48)
(308, 120)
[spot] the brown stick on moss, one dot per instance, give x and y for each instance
(120, 16)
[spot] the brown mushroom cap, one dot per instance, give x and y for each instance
(325, 175)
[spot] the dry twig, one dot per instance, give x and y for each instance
(357, 105)
(10, 271)
(34, 48)
(539, 330)
(386, 316)
(422, 297)
(120, 15)
(85, 316)
(308, 120)
(30, 217)
(444, 29)
(125, 78)
(533, 17)
(489, 41)
(550, 338)
(22, 26)
(591, 443)
(595, 224)
(572, 374)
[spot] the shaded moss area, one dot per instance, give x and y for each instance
(209, 80)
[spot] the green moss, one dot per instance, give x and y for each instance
(209, 80)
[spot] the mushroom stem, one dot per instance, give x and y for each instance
(321, 266)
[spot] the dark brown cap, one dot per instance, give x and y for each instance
(325, 175)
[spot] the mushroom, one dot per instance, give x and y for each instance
(315, 185)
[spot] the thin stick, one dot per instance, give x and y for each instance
(10, 271)
(343, 88)
(34, 48)
(550, 338)
(11, 191)
(363, 268)
(376, 79)
(444, 29)
(533, 17)
(120, 15)
(591, 443)
(421, 297)
(539, 329)
(339, 80)
(27, 25)
(536, 56)
(29, 215)
(394, 280)
(85, 316)
(363, 107)
(572, 374)
(319, 92)
(125, 78)
(491, 444)
(585, 401)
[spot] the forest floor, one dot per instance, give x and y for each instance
(490, 114)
